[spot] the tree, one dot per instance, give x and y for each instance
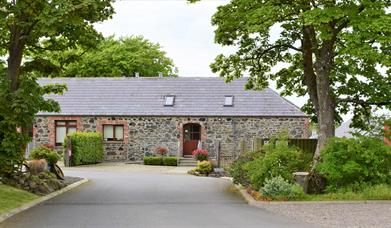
(25, 25)
(338, 52)
(111, 58)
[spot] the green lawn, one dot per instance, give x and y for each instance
(11, 198)
(377, 192)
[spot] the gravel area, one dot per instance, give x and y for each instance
(336, 214)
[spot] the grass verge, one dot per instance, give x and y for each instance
(377, 192)
(11, 198)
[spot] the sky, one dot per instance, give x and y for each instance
(183, 30)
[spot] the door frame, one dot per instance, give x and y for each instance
(182, 135)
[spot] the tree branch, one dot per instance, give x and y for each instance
(278, 46)
(363, 102)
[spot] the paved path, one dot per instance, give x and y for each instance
(147, 199)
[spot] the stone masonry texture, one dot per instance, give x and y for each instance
(143, 134)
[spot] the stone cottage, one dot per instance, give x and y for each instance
(136, 115)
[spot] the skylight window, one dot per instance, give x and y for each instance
(169, 100)
(229, 101)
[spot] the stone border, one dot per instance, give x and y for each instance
(40, 200)
(263, 204)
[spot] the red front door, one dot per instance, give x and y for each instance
(192, 135)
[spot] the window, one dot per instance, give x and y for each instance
(169, 100)
(229, 101)
(113, 132)
(63, 128)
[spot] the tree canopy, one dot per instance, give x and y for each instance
(28, 27)
(110, 58)
(338, 52)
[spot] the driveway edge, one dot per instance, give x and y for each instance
(40, 200)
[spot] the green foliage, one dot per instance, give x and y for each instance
(170, 161)
(111, 58)
(87, 148)
(51, 156)
(166, 161)
(279, 160)
(277, 188)
(28, 28)
(366, 192)
(17, 110)
(333, 46)
(346, 162)
(237, 169)
(374, 126)
(204, 167)
(153, 161)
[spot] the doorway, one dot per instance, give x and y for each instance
(191, 137)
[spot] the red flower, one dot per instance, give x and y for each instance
(200, 154)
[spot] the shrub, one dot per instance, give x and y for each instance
(237, 169)
(200, 154)
(153, 161)
(277, 188)
(161, 150)
(87, 148)
(204, 167)
(42, 152)
(346, 162)
(167, 161)
(170, 161)
(279, 160)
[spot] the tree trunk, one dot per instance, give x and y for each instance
(326, 103)
(15, 51)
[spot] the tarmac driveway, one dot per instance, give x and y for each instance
(147, 199)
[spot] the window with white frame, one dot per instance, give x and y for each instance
(113, 132)
(63, 128)
(229, 100)
(170, 99)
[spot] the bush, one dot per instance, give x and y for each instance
(237, 169)
(277, 188)
(200, 154)
(204, 167)
(170, 161)
(347, 162)
(42, 152)
(153, 161)
(279, 160)
(87, 148)
(167, 161)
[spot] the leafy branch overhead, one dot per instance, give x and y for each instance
(338, 53)
(29, 27)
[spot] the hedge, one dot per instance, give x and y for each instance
(87, 148)
(166, 161)
(152, 161)
(170, 161)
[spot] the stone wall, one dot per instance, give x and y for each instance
(143, 134)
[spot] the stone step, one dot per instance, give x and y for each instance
(187, 162)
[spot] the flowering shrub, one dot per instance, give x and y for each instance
(200, 154)
(204, 167)
(161, 150)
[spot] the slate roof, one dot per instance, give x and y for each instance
(194, 96)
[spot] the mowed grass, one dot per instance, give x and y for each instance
(11, 198)
(377, 192)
